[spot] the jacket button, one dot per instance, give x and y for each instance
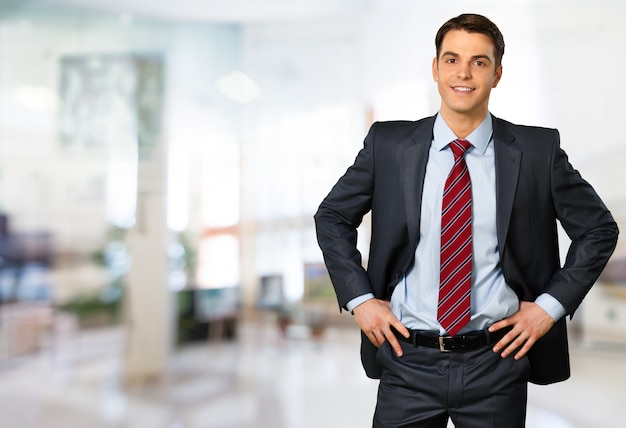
(398, 275)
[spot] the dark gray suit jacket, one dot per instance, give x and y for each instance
(535, 187)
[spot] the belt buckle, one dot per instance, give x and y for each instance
(442, 344)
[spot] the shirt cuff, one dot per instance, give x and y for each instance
(553, 307)
(358, 300)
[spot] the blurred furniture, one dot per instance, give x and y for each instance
(23, 328)
(18, 252)
(604, 308)
(271, 294)
(211, 313)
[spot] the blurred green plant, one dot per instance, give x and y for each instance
(104, 306)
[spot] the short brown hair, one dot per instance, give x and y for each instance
(473, 23)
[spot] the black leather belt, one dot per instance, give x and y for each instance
(459, 343)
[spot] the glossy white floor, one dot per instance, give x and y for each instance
(260, 381)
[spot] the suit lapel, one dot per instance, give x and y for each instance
(413, 156)
(508, 158)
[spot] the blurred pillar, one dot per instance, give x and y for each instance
(248, 274)
(149, 302)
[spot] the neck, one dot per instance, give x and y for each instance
(461, 124)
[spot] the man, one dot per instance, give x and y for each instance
(457, 333)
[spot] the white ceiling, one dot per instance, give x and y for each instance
(220, 10)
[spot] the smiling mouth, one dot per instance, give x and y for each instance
(462, 89)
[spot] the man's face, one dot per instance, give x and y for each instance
(465, 72)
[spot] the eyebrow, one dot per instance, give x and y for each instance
(474, 58)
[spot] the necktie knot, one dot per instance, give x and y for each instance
(459, 147)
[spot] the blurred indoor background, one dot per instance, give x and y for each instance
(160, 164)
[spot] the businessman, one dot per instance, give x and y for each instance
(464, 299)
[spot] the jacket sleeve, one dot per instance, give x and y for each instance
(337, 219)
(589, 225)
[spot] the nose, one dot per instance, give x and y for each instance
(464, 71)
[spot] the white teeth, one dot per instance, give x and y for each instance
(462, 89)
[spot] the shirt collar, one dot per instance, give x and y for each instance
(479, 138)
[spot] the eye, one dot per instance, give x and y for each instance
(451, 60)
(480, 63)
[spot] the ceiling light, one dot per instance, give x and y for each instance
(37, 98)
(238, 87)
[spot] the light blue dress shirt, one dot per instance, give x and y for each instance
(414, 301)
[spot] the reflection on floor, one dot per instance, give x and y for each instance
(260, 381)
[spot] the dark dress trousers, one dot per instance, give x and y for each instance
(535, 187)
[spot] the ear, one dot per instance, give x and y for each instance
(435, 70)
(498, 76)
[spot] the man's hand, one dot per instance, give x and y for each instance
(374, 317)
(529, 324)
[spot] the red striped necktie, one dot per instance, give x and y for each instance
(453, 311)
